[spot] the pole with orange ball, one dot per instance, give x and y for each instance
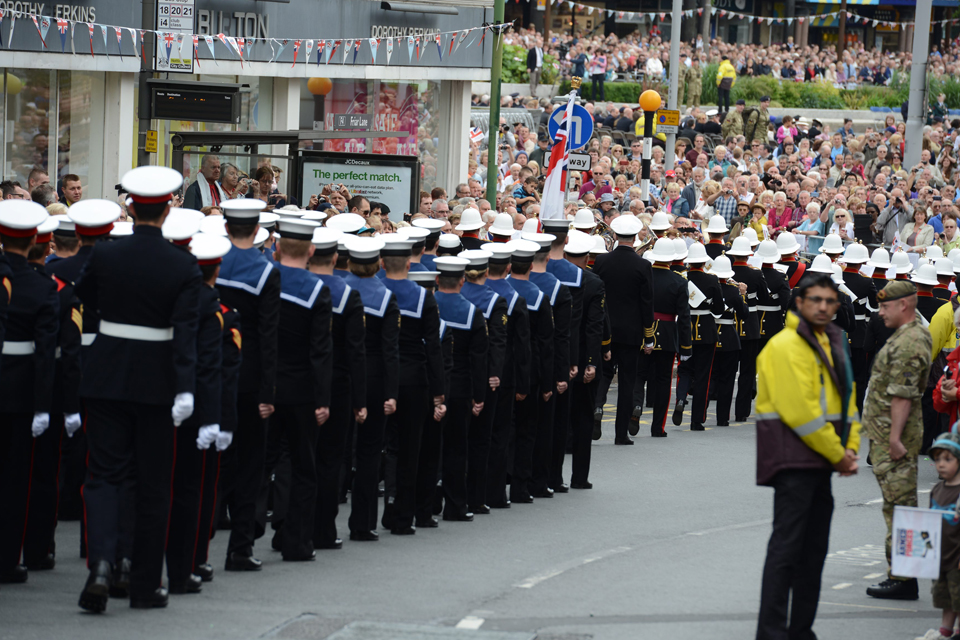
(649, 103)
(319, 87)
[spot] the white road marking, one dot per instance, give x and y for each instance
(732, 527)
(534, 580)
(470, 622)
(873, 576)
(866, 606)
(842, 585)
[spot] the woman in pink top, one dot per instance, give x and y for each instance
(779, 215)
(787, 130)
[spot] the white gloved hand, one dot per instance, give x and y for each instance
(207, 436)
(182, 408)
(72, 422)
(40, 423)
(684, 358)
(224, 438)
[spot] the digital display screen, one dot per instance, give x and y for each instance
(201, 106)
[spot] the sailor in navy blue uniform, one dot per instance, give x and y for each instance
(347, 224)
(571, 277)
(589, 351)
(348, 391)
(419, 237)
(431, 242)
(26, 375)
(421, 381)
(494, 309)
(449, 245)
(199, 431)
(467, 383)
(382, 320)
(250, 283)
(38, 543)
(515, 379)
(93, 221)
(561, 302)
(304, 371)
(542, 370)
(138, 384)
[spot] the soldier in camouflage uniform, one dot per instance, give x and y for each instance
(694, 77)
(756, 122)
(897, 381)
(733, 122)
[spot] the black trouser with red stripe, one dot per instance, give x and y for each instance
(44, 492)
(210, 478)
(16, 457)
(185, 505)
(725, 365)
(747, 380)
(131, 444)
(697, 372)
(657, 369)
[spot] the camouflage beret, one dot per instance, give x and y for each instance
(895, 290)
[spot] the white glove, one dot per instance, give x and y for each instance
(207, 436)
(40, 423)
(685, 358)
(72, 422)
(182, 408)
(224, 438)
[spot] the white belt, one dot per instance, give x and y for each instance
(754, 309)
(696, 312)
(724, 321)
(87, 339)
(752, 295)
(24, 348)
(763, 307)
(859, 318)
(863, 300)
(135, 332)
(774, 296)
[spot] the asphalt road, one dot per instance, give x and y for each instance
(669, 544)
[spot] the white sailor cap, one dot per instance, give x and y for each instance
(712, 112)
(181, 225)
(626, 226)
(555, 225)
(395, 244)
(451, 266)
(523, 250)
(450, 245)
(430, 224)
(215, 225)
(268, 220)
(500, 252)
(297, 229)
(578, 243)
(363, 250)
(151, 185)
(326, 241)
(426, 279)
(94, 217)
(542, 239)
(316, 216)
(65, 227)
(46, 228)
(478, 258)
(20, 218)
(292, 212)
(209, 249)
(417, 234)
(347, 222)
(261, 238)
(243, 210)
(121, 229)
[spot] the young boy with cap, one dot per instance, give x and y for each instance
(139, 381)
(250, 283)
(515, 379)
(945, 496)
(468, 381)
(421, 383)
(348, 390)
(382, 326)
(26, 374)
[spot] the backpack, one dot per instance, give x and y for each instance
(748, 112)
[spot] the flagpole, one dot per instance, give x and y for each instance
(147, 16)
(493, 130)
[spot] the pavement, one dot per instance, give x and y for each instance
(670, 543)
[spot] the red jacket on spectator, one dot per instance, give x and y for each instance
(779, 222)
(950, 408)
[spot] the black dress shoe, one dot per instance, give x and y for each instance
(156, 600)
(205, 571)
(237, 562)
(403, 531)
(364, 536)
(120, 585)
(891, 589)
(432, 523)
(598, 423)
(723, 424)
(44, 564)
(335, 544)
(480, 510)
(741, 418)
(193, 584)
(526, 499)
(542, 494)
(307, 558)
(623, 440)
(678, 412)
(500, 505)
(16, 575)
(581, 485)
(697, 427)
(658, 434)
(634, 427)
(458, 517)
(96, 591)
(561, 488)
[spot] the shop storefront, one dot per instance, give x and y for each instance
(68, 111)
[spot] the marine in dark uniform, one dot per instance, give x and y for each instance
(471, 228)
(515, 378)
(866, 300)
(714, 234)
(727, 357)
(945, 277)
(934, 423)
(772, 315)
(788, 247)
(26, 374)
(749, 326)
(348, 392)
(139, 379)
(467, 384)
